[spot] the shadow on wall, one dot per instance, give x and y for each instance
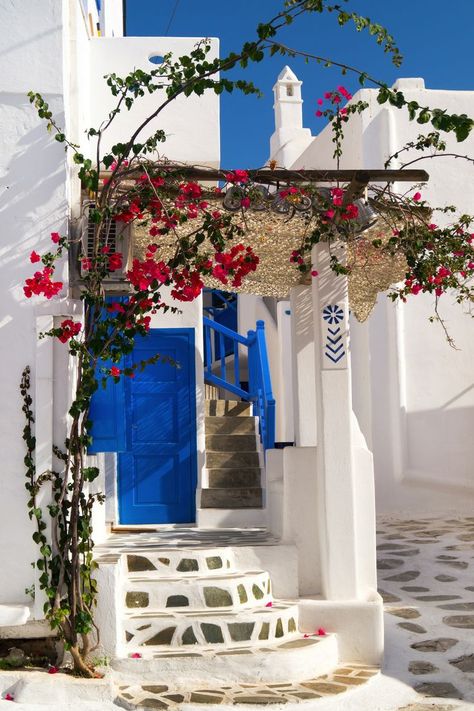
(452, 429)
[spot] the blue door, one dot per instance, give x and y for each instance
(157, 473)
(157, 460)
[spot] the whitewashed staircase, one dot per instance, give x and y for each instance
(233, 475)
(189, 616)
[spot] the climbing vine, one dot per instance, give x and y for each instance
(191, 237)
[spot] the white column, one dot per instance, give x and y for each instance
(335, 466)
(303, 366)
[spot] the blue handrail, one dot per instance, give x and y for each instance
(259, 384)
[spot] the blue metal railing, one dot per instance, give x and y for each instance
(259, 382)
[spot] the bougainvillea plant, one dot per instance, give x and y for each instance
(201, 241)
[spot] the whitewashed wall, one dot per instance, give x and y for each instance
(191, 124)
(413, 394)
(33, 203)
(46, 47)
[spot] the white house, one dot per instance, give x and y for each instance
(208, 546)
(412, 393)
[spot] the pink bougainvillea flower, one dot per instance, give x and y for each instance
(321, 632)
(314, 273)
(53, 670)
(306, 636)
(328, 94)
(269, 604)
(343, 112)
(320, 102)
(417, 197)
(34, 257)
(55, 237)
(9, 697)
(395, 233)
(432, 226)
(86, 264)
(245, 202)
(114, 371)
(136, 655)
(318, 113)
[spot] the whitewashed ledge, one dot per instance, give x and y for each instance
(12, 615)
(55, 690)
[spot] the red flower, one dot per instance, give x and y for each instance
(417, 197)
(114, 371)
(69, 329)
(314, 273)
(192, 189)
(318, 113)
(115, 261)
(53, 670)
(136, 655)
(55, 237)
(320, 102)
(34, 257)
(40, 283)
(269, 604)
(8, 697)
(321, 632)
(86, 264)
(237, 176)
(245, 202)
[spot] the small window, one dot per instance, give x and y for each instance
(289, 90)
(117, 239)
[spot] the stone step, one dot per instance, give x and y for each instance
(232, 478)
(231, 442)
(155, 631)
(181, 562)
(226, 408)
(243, 460)
(234, 592)
(295, 659)
(232, 498)
(230, 425)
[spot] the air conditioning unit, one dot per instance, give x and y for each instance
(115, 235)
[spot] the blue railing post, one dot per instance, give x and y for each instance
(260, 386)
(269, 400)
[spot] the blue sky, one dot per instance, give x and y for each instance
(434, 37)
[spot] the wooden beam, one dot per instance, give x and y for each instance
(279, 175)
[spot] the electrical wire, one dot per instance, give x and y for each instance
(173, 13)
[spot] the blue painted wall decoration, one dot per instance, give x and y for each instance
(334, 342)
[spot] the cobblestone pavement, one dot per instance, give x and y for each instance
(425, 571)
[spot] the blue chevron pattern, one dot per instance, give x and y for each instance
(334, 347)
